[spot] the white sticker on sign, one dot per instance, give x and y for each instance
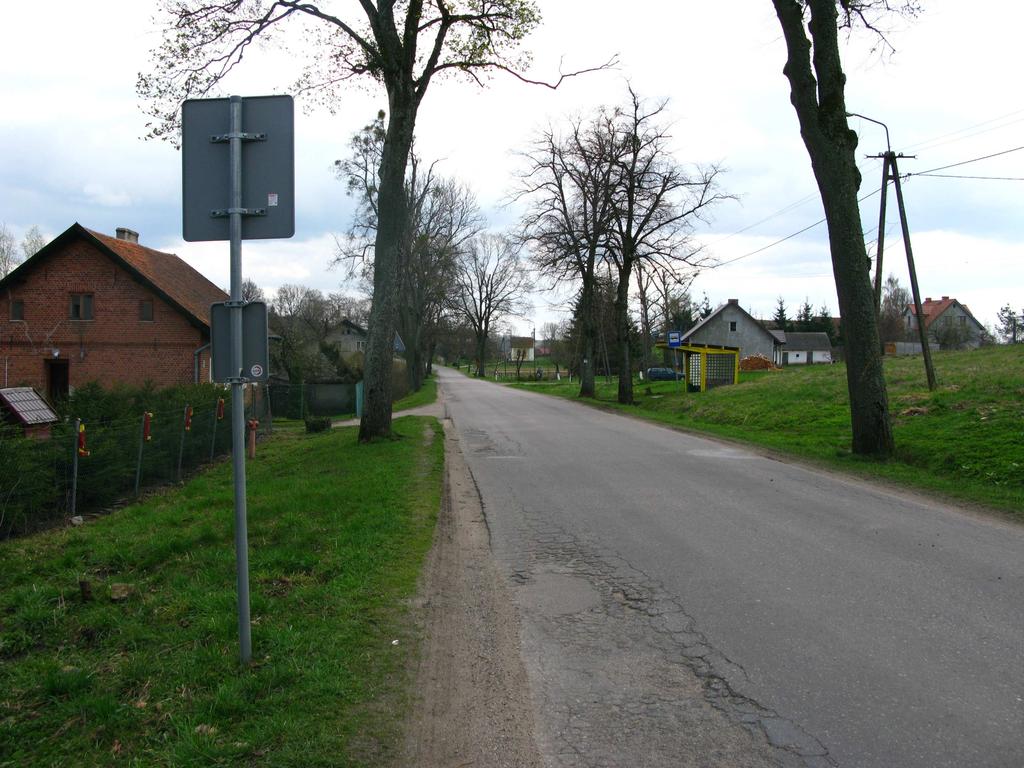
(272, 199)
(256, 371)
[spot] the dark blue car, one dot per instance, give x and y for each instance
(662, 374)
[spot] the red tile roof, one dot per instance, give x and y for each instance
(169, 274)
(932, 309)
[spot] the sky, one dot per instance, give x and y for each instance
(71, 147)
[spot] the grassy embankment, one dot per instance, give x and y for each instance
(965, 440)
(337, 532)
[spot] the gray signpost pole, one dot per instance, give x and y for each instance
(263, 174)
(237, 403)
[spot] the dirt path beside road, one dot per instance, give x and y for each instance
(472, 701)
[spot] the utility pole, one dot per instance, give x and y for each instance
(921, 332)
(891, 171)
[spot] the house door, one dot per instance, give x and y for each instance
(57, 380)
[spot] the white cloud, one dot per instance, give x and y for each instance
(98, 194)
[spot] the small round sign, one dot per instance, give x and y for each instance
(256, 371)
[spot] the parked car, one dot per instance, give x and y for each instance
(662, 374)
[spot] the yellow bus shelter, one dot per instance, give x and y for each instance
(705, 366)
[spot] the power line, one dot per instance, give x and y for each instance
(963, 162)
(983, 178)
(769, 217)
(939, 140)
(929, 172)
(790, 236)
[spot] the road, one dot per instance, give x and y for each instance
(689, 602)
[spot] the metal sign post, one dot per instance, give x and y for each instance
(674, 342)
(268, 187)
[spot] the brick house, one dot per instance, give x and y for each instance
(90, 307)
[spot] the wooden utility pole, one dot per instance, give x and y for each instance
(890, 170)
(880, 245)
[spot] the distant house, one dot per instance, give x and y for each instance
(90, 307)
(946, 322)
(520, 348)
(803, 348)
(729, 325)
(349, 337)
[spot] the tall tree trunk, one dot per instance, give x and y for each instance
(431, 351)
(481, 352)
(392, 211)
(622, 335)
(408, 330)
(587, 388)
(820, 106)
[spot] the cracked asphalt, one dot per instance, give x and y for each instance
(684, 602)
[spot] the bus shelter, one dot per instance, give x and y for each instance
(705, 366)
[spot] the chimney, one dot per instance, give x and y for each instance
(734, 301)
(128, 235)
(945, 298)
(928, 300)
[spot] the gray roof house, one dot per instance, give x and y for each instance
(729, 325)
(351, 337)
(803, 348)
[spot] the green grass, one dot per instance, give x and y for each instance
(965, 440)
(338, 533)
(426, 395)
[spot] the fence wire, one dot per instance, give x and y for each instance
(37, 473)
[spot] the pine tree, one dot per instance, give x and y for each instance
(780, 318)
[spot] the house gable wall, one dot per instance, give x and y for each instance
(750, 337)
(116, 346)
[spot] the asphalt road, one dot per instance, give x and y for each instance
(688, 602)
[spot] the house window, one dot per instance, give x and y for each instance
(17, 309)
(732, 326)
(146, 310)
(81, 306)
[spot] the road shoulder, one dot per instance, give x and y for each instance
(471, 703)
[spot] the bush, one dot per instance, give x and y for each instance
(317, 424)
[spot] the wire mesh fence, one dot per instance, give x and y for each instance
(47, 479)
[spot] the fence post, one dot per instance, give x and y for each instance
(185, 425)
(74, 468)
(138, 463)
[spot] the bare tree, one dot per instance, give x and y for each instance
(32, 242)
(302, 317)
(442, 216)
(8, 251)
(568, 219)
(491, 283)
(251, 291)
(817, 91)
(895, 300)
(401, 45)
(645, 294)
(655, 201)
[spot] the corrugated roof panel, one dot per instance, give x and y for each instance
(27, 405)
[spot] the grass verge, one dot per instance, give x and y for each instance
(338, 533)
(426, 395)
(965, 440)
